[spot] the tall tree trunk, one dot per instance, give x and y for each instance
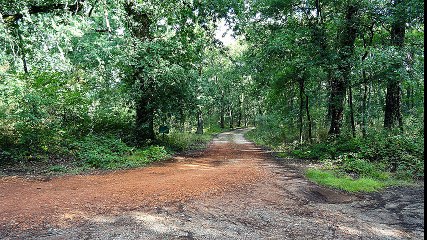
(310, 122)
(301, 110)
(222, 120)
(366, 43)
(393, 110)
(319, 11)
(144, 105)
(340, 81)
(182, 118)
(350, 103)
(145, 113)
(393, 114)
(365, 109)
(239, 121)
(200, 127)
(21, 47)
(231, 117)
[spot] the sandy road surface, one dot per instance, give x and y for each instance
(233, 190)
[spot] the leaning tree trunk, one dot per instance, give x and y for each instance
(393, 110)
(340, 81)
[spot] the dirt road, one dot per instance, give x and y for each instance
(233, 190)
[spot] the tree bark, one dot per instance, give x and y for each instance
(365, 109)
(393, 110)
(144, 120)
(15, 17)
(393, 114)
(144, 105)
(310, 122)
(222, 120)
(200, 127)
(366, 43)
(240, 116)
(301, 110)
(340, 81)
(21, 46)
(351, 105)
(231, 117)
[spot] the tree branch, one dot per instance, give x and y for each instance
(14, 17)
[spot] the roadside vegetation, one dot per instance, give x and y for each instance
(100, 152)
(355, 164)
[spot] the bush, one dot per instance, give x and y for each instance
(101, 151)
(402, 154)
(353, 164)
(109, 152)
(146, 156)
(375, 156)
(331, 149)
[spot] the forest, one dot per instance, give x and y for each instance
(114, 84)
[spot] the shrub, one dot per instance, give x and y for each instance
(101, 151)
(352, 163)
(402, 154)
(109, 152)
(375, 156)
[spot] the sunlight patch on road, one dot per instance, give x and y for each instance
(154, 223)
(387, 232)
(195, 167)
(350, 230)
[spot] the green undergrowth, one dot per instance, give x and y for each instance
(355, 164)
(345, 183)
(101, 152)
(111, 153)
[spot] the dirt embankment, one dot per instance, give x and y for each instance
(233, 190)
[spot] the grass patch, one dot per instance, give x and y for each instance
(346, 183)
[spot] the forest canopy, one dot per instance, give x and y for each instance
(79, 78)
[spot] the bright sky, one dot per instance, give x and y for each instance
(228, 39)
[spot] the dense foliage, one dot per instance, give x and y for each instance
(341, 82)
(93, 81)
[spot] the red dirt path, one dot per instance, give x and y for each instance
(31, 203)
(233, 190)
